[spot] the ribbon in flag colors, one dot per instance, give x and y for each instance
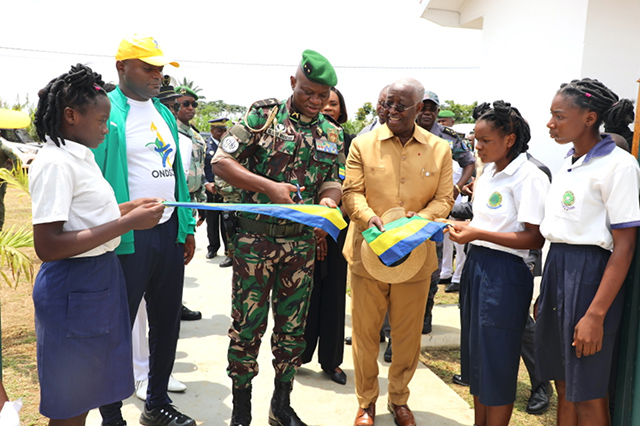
(401, 237)
(326, 218)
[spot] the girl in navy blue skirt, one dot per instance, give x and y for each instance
(591, 215)
(82, 322)
(496, 285)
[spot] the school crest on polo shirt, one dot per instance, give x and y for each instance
(568, 201)
(495, 201)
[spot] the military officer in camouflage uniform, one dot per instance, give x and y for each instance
(195, 170)
(289, 147)
(195, 174)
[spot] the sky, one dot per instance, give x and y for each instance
(244, 50)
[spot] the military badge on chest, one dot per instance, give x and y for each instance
(279, 131)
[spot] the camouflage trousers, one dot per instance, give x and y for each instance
(277, 269)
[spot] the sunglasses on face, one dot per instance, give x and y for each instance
(187, 103)
(398, 107)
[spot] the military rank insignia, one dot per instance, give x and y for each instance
(280, 132)
(229, 145)
(327, 146)
(333, 135)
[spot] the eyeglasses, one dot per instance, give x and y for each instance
(187, 103)
(398, 107)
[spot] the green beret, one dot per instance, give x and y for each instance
(317, 68)
(445, 113)
(186, 91)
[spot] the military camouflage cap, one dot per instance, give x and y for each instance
(445, 113)
(431, 96)
(186, 91)
(318, 68)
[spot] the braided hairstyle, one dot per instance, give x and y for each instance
(507, 120)
(592, 95)
(75, 89)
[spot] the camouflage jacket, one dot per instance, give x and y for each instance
(195, 175)
(273, 142)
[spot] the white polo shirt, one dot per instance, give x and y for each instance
(589, 198)
(67, 185)
(505, 201)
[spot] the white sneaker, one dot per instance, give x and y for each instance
(141, 389)
(176, 385)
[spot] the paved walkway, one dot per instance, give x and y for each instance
(201, 365)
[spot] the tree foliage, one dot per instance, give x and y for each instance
(463, 113)
(216, 109)
(363, 117)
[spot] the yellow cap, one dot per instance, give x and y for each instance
(144, 48)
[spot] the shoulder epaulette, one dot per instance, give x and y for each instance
(266, 103)
(449, 131)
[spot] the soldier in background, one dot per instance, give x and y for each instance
(215, 227)
(192, 147)
(290, 148)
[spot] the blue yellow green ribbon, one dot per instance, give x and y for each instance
(326, 218)
(401, 236)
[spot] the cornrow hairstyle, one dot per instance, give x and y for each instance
(75, 89)
(507, 120)
(592, 95)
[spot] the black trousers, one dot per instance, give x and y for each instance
(325, 320)
(155, 270)
(215, 226)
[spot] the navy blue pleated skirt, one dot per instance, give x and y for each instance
(571, 278)
(83, 335)
(495, 296)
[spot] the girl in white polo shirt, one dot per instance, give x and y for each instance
(82, 320)
(496, 284)
(591, 215)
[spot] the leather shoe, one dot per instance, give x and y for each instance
(452, 288)
(388, 352)
(366, 416)
(444, 281)
(401, 414)
(348, 341)
(337, 375)
(189, 315)
(539, 400)
(210, 254)
(228, 261)
(427, 326)
(457, 379)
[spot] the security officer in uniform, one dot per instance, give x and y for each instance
(288, 148)
(195, 172)
(215, 227)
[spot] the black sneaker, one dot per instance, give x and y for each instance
(165, 415)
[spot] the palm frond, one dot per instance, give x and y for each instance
(11, 240)
(17, 178)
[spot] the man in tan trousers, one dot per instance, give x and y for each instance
(398, 164)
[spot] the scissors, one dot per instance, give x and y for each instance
(298, 197)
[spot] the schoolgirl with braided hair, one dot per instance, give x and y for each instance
(82, 320)
(591, 215)
(496, 285)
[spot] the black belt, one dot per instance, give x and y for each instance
(270, 229)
